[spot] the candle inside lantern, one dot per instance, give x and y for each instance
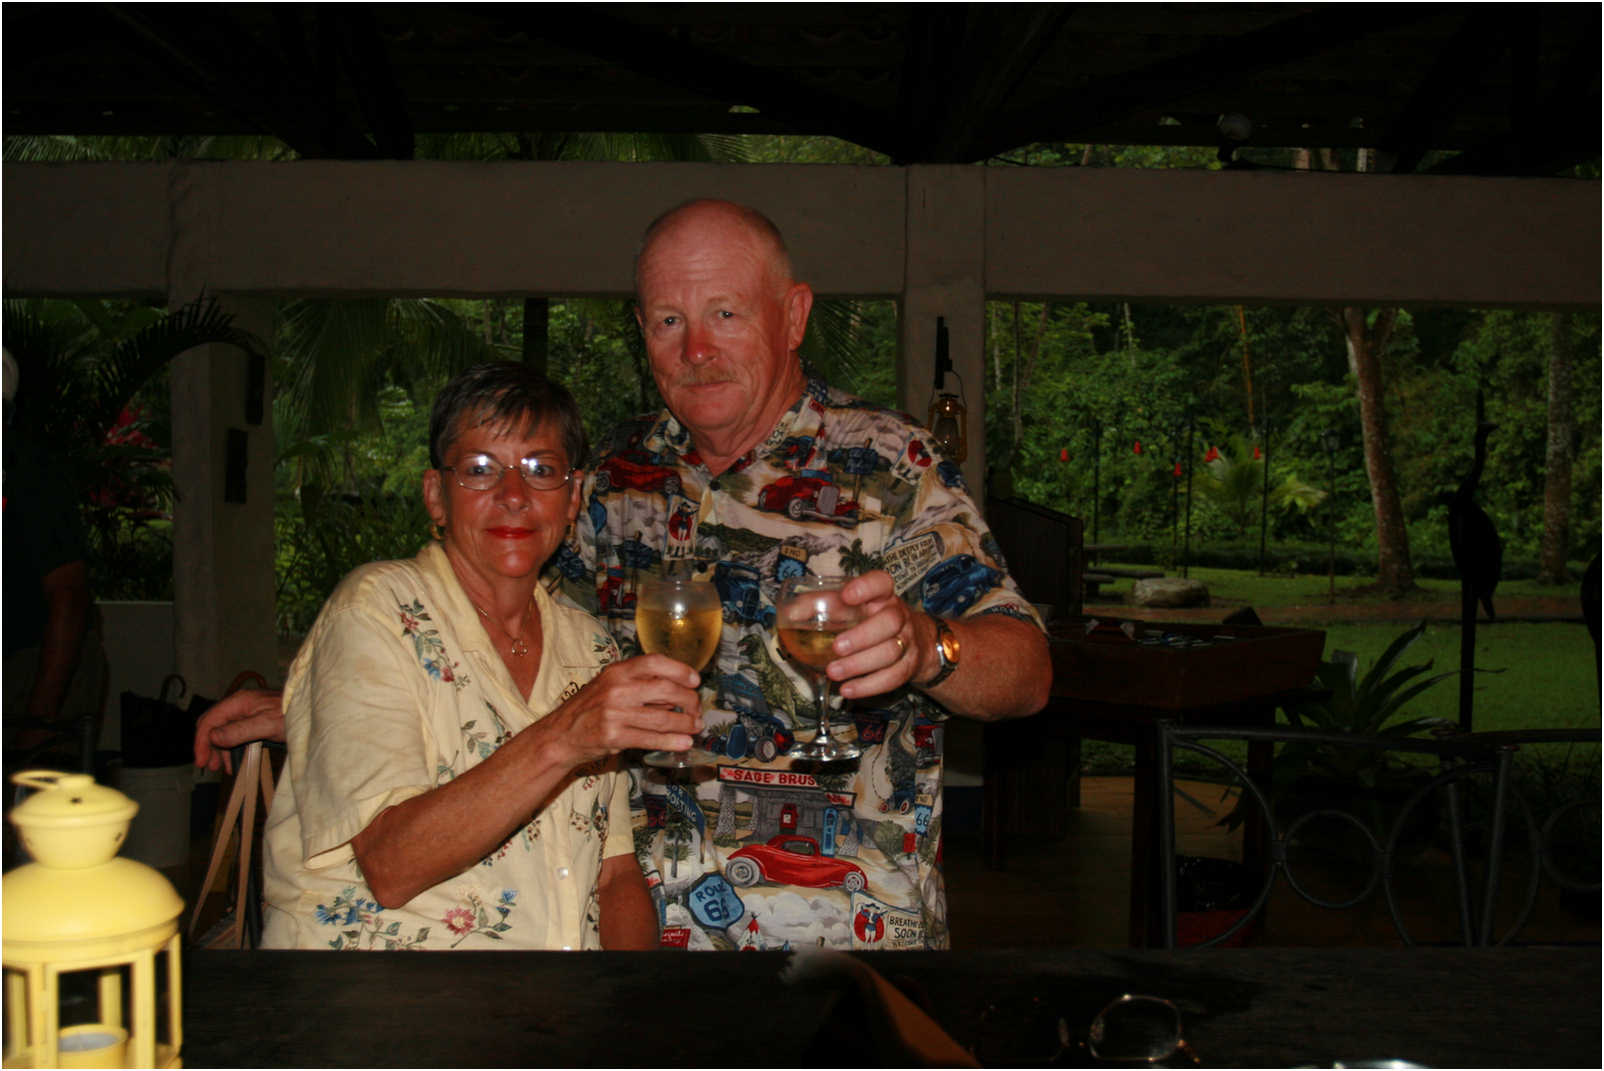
(93, 1045)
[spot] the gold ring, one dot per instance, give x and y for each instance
(902, 648)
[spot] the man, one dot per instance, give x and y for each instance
(54, 664)
(752, 473)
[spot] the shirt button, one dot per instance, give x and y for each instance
(562, 872)
(715, 486)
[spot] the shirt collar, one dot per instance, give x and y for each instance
(806, 417)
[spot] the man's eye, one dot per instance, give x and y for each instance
(670, 321)
(725, 314)
(479, 465)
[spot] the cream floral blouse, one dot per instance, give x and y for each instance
(397, 690)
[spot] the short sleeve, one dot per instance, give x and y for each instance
(356, 733)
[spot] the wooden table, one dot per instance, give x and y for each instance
(1240, 1007)
(1115, 683)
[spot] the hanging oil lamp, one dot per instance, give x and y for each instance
(79, 917)
(946, 421)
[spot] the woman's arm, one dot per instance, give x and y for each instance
(628, 920)
(420, 842)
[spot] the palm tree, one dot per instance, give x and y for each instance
(1234, 482)
(81, 365)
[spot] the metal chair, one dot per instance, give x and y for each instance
(1464, 760)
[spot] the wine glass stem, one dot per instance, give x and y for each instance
(823, 691)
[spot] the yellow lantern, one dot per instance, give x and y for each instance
(80, 914)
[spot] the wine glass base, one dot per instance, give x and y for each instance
(679, 760)
(826, 750)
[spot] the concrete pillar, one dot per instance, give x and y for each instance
(223, 520)
(945, 276)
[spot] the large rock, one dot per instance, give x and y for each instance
(1170, 592)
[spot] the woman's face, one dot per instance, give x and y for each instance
(509, 530)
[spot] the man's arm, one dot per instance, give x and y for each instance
(237, 719)
(1004, 671)
(628, 920)
(66, 592)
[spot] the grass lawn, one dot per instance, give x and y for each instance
(1531, 675)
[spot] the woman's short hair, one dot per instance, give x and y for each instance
(508, 395)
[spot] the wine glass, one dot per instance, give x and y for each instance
(810, 613)
(681, 618)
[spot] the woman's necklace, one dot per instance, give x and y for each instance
(519, 647)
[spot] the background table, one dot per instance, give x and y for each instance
(1108, 686)
(1241, 1007)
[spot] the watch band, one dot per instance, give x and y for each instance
(949, 662)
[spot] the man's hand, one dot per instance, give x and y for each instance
(880, 653)
(238, 719)
(1005, 671)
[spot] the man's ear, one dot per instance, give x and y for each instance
(798, 304)
(576, 487)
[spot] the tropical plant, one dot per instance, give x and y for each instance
(1234, 482)
(1347, 704)
(81, 365)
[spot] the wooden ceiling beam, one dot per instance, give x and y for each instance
(1232, 61)
(961, 65)
(1544, 137)
(591, 29)
(203, 47)
(1461, 63)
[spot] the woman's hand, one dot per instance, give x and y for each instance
(648, 702)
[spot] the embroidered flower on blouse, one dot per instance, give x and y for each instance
(459, 920)
(428, 646)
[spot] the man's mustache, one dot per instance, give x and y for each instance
(701, 378)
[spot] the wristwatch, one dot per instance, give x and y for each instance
(946, 650)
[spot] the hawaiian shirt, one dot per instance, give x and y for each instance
(763, 855)
(399, 689)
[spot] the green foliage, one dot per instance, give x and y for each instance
(1368, 706)
(1350, 705)
(1234, 483)
(370, 510)
(92, 385)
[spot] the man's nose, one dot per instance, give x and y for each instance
(699, 345)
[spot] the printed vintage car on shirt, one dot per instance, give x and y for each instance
(808, 495)
(792, 859)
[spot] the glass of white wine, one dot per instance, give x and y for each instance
(681, 618)
(810, 613)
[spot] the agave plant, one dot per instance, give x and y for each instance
(1368, 706)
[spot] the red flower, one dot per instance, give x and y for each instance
(1256, 454)
(1213, 454)
(1177, 469)
(1063, 454)
(1137, 448)
(459, 920)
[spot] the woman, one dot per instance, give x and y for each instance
(452, 729)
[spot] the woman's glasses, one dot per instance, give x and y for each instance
(481, 472)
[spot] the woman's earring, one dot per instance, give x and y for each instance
(438, 531)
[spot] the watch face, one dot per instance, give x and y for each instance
(949, 646)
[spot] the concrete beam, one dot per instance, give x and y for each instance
(945, 270)
(1305, 237)
(223, 590)
(570, 228)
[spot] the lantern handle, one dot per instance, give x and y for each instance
(42, 779)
